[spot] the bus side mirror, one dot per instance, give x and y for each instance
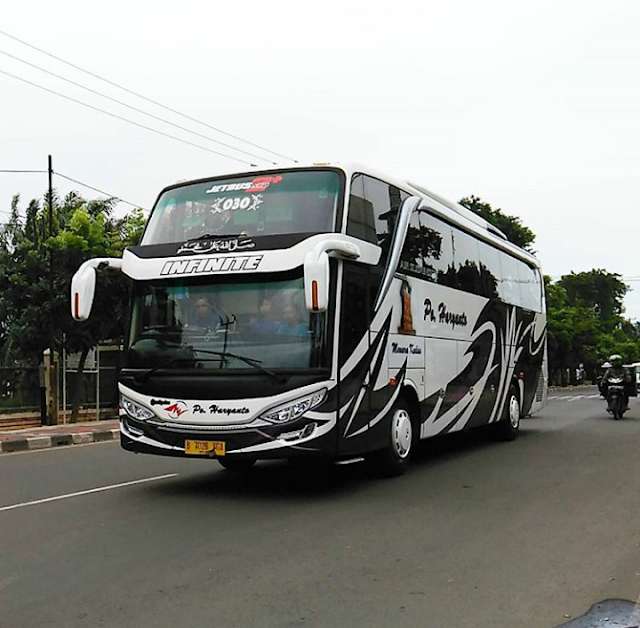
(83, 285)
(316, 270)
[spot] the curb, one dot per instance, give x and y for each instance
(32, 443)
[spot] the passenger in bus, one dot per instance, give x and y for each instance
(264, 323)
(293, 322)
(206, 316)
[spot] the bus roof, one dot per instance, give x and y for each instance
(451, 211)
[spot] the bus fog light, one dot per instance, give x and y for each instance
(296, 408)
(305, 432)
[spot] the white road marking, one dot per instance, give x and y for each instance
(575, 398)
(87, 492)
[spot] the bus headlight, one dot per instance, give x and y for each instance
(135, 410)
(296, 408)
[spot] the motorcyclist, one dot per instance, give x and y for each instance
(616, 370)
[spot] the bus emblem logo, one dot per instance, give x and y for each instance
(176, 409)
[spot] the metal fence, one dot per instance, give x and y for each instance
(19, 389)
(96, 387)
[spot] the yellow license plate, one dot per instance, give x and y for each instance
(204, 447)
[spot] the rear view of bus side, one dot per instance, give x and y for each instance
(453, 335)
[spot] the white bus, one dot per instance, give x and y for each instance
(321, 310)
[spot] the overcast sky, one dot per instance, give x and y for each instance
(533, 106)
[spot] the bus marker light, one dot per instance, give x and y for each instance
(393, 381)
(314, 295)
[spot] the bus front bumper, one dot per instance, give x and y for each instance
(304, 436)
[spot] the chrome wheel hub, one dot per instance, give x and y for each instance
(401, 433)
(514, 412)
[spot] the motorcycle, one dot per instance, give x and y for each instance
(616, 398)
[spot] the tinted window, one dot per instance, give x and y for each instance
(465, 256)
(490, 270)
(373, 210)
(413, 251)
(530, 293)
(437, 250)
(354, 309)
(360, 223)
(509, 289)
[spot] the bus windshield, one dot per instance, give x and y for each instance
(299, 201)
(194, 325)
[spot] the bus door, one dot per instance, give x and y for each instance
(353, 358)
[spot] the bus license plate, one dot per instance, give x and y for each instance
(204, 447)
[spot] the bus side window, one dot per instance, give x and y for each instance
(490, 270)
(465, 255)
(360, 221)
(437, 250)
(510, 287)
(411, 258)
(385, 200)
(529, 287)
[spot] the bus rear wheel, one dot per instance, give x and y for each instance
(508, 427)
(394, 459)
(239, 465)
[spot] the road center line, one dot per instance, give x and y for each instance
(87, 492)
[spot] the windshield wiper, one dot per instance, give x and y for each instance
(145, 375)
(257, 364)
(221, 355)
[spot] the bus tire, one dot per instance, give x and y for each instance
(508, 427)
(394, 459)
(238, 465)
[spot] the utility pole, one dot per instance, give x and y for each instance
(52, 412)
(50, 170)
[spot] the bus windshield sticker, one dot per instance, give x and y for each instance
(211, 265)
(225, 245)
(258, 184)
(233, 203)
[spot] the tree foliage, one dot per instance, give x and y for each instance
(511, 226)
(36, 267)
(586, 323)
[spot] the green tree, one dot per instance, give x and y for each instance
(585, 323)
(35, 275)
(511, 226)
(597, 289)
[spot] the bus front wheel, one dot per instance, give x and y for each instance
(394, 458)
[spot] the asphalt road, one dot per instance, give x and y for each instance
(476, 534)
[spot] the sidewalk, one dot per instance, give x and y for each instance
(58, 435)
(579, 387)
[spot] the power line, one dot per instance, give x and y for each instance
(68, 178)
(25, 171)
(90, 187)
(119, 117)
(138, 95)
(137, 109)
